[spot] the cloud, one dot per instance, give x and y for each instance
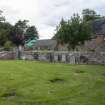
(46, 14)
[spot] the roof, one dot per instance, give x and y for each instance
(99, 26)
(46, 43)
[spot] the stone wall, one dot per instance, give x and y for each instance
(5, 55)
(63, 57)
(67, 57)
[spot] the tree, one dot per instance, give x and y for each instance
(5, 28)
(18, 32)
(5, 32)
(61, 32)
(7, 45)
(2, 18)
(74, 32)
(21, 32)
(90, 15)
(15, 34)
(31, 32)
(20, 27)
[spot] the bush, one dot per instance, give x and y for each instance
(7, 45)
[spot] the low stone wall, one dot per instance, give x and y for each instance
(68, 57)
(63, 57)
(5, 55)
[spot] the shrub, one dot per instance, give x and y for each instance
(7, 45)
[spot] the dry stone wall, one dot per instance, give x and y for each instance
(69, 57)
(63, 57)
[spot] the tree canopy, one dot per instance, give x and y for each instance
(16, 34)
(73, 32)
(31, 32)
(90, 15)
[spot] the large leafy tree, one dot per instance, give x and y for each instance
(20, 27)
(31, 32)
(62, 32)
(73, 32)
(2, 18)
(18, 32)
(90, 15)
(23, 32)
(5, 29)
(5, 32)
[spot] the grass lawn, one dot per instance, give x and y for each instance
(37, 83)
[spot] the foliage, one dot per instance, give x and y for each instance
(31, 32)
(4, 29)
(90, 15)
(74, 32)
(20, 27)
(2, 18)
(61, 32)
(18, 32)
(7, 45)
(22, 32)
(5, 32)
(15, 33)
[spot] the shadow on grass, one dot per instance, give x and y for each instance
(79, 71)
(9, 95)
(57, 80)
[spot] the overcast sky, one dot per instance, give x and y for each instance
(46, 14)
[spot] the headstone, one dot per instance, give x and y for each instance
(63, 58)
(55, 58)
(72, 59)
(59, 57)
(67, 58)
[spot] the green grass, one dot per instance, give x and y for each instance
(37, 83)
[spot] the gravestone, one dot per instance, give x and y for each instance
(59, 57)
(63, 58)
(55, 58)
(72, 58)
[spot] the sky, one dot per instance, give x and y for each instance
(46, 14)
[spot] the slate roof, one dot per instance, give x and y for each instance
(46, 43)
(99, 26)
